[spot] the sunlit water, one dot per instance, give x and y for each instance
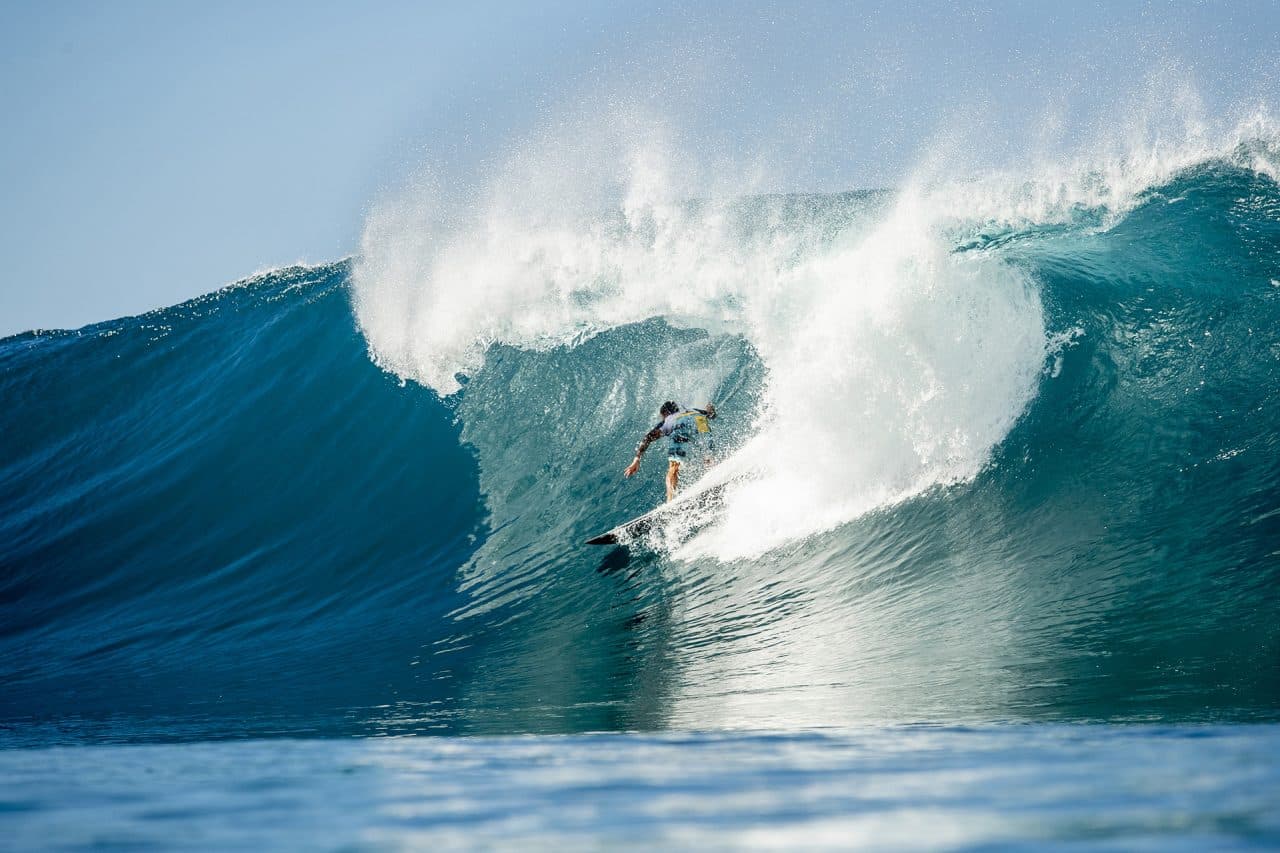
(1119, 787)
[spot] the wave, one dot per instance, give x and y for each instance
(998, 448)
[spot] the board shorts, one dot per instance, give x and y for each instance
(695, 449)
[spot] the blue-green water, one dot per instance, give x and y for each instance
(1117, 787)
(1011, 472)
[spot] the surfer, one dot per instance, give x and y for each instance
(688, 429)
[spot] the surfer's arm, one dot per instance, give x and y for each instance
(650, 437)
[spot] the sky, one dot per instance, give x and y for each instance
(155, 151)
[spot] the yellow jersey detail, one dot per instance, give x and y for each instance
(699, 420)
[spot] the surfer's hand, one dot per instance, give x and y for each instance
(632, 468)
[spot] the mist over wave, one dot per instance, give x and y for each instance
(1000, 445)
(893, 361)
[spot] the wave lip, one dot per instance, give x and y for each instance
(888, 357)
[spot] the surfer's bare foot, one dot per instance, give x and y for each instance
(673, 479)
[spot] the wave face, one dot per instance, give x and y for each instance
(1003, 449)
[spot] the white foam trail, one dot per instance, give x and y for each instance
(897, 367)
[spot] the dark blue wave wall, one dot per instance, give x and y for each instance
(222, 509)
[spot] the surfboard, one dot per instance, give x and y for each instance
(641, 525)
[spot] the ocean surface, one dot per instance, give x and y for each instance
(912, 788)
(299, 563)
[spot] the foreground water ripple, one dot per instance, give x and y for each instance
(905, 787)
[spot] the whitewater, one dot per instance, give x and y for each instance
(1000, 455)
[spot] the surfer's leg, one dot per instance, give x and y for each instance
(673, 478)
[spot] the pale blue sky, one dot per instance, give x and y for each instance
(154, 151)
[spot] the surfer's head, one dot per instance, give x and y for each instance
(668, 408)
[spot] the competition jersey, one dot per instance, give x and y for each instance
(684, 426)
